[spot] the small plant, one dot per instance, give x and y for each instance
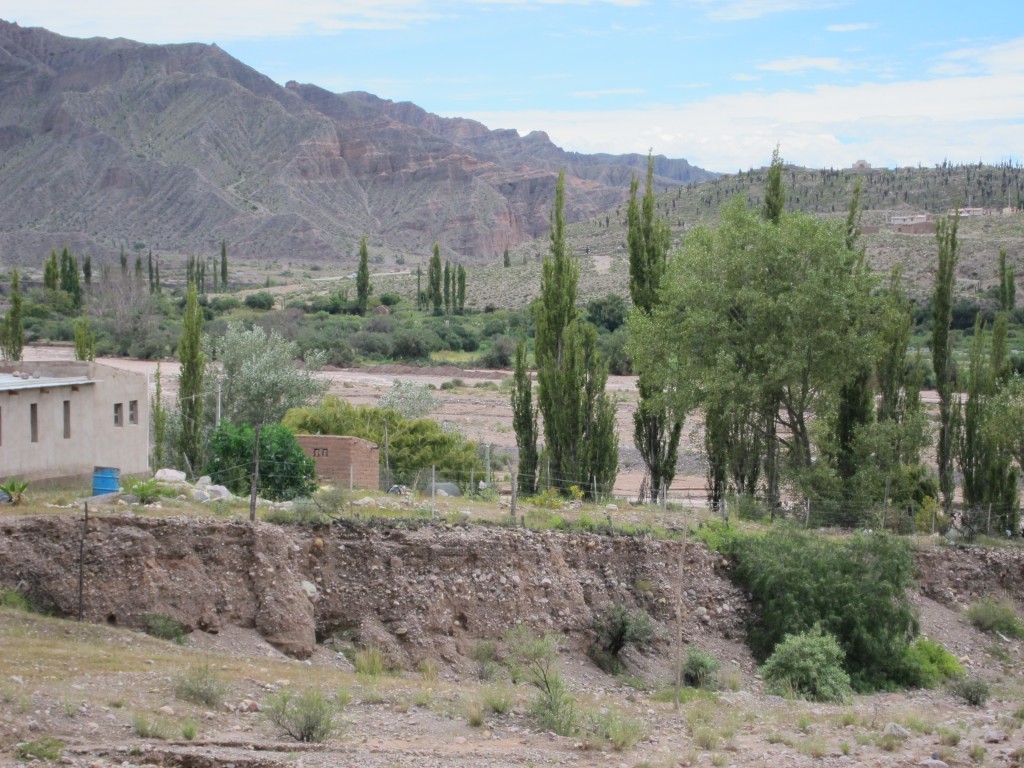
(995, 617)
(342, 697)
(164, 627)
(498, 699)
(15, 489)
(971, 690)
(146, 727)
(146, 490)
(485, 654)
(613, 728)
(812, 747)
(306, 717)
(928, 664)
(555, 709)
(531, 656)
(15, 600)
(700, 670)
(949, 738)
(428, 671)
(809, 665)
(424, 697)
(46, 748)
(189, 729)
(615, 629)
(200, 685)
(369, 661)
(976, 753)
(705, 738)
(473, 709)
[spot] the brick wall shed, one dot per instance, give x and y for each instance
(335, 454)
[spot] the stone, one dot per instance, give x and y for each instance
(203, 481)
(897, 730)
(170, 476)
(218, 492)
(995, 737)
(309, 588)
(198, 494)
(166, 711)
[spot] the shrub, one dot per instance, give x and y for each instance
(308, 717)
(700, 670)
(286, 472)
(555, 709)
(808, 665)
(531, 656)
(200, 685)
(15, 489)
(616, 628)
(992, 617)
(146, 490)
(146, 727)
(47, 748)
(499, 353)
(15, 600)
(613, 728)
(410, 344)
(189, 729)
(498, 699)
(929, 664)
(261, 300)
(390, 299)
(971, 690)
(369, 661)
(856, 589)
(164, 627)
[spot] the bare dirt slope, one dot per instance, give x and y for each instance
(426, 596)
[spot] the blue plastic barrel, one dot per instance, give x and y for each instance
(106, 480)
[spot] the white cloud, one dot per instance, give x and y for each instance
(858, 27)
(743, 10)
(1002, 58)
(804, 63)
(905, 123)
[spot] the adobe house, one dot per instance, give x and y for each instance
(343, 458)
(60, 420)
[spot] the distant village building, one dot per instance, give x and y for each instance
(61, 420)
(913, 223)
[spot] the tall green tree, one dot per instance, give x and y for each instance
(70, 282)
(1007, 284)
(160, 417)
(434, 294)
(655, 430)
(51, 273)
(85, 340)
(12, 330)
(447, 287)
(261, 383)
(460, 290)
(524, 422)
(571, 376)
(942, 364)
(224, 265)
(191, 395)
(363, 286)
(87, 270)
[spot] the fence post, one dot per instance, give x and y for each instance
(81, 563)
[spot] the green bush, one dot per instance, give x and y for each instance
(555, 709)
(200, 685)
(856, 589)
(929, 664)
(46, 748)
(164, 627)
(971, 690)
(308, 717)
(146, 490)
(616, 628)
(809, 665)
(261, 300)
(700, 670)
(15, 600)
(286, 472)
(615, 729)
(991, 616)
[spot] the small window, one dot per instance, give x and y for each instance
(133, 411)
(118, 414)
(67, 419)
(33, 422)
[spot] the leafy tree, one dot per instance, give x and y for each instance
(421, 297)
(363, 286)
(775, 193)
(608, 313)
(191, 395)
(447, 287)
(159, 416)
(655, 430)
(809, 665)
(87, 270)
(412, 401)
(434, 294)
(942, 315)
(1007, 284)
(69, 281)
(285, 471)
(224, 264)
(260, 300)
(524, 422)
(85, 340)
(578, 417)
(260, 384)
(12, 330)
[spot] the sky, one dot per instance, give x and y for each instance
(718, 82)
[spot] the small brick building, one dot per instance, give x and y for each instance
(340, 458)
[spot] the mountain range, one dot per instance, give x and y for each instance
(109, 143)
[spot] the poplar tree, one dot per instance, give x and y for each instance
(363, 287)
(460, 289)
(51, 274)
(85, 340)
(434, 295)
(87, 270)
(524, 422)
(578, 418)
(224, 264)
(447, 287)
(942, 317)
(655, 430)
(12, 330)
(190, 383)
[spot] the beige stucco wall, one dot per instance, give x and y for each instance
(94, 441)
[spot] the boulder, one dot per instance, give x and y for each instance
(169, 476)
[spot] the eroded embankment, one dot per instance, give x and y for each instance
(416, 592)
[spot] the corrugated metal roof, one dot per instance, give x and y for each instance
(9, 382)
